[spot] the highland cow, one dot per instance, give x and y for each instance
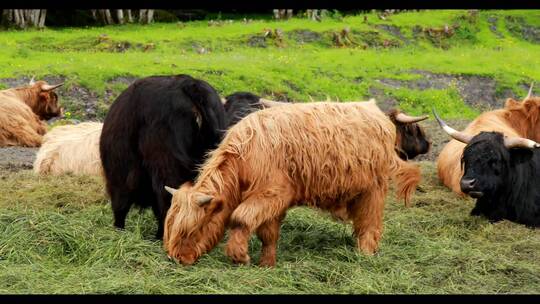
(338, 157)
(70, 149)
(156, 133)
(500, 173)
(39, 96)
(516, 119)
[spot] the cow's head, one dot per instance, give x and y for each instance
(485, 159)
(411, 140)
(195, 223)
(39, 96)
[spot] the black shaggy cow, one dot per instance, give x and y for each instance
(156, 133)
(502, 173)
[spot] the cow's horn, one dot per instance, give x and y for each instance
(223, 100)
(203, 199)
(172, 191)
(404, 118)
(48, 87)
(520, 142)
(459, 136)
(530, 91)
(32, 82)
(270, 103)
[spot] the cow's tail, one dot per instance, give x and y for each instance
(406, 177)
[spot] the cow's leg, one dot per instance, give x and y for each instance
(121, 203)
(268, 233)
(367, 214)
(252, 213)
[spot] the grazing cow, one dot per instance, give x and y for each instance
(19, 126)
(517, 119)
(156, 132)
(39, 96)
(70, 149)
(338, 157)
(500, 173)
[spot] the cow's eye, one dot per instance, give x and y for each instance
(493, 165)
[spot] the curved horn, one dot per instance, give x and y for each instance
(32, 82)
(459, 136)
(404, 118)
(270, 103)
(520, 142)
(172, 191)
(48, 87)
(530, 91)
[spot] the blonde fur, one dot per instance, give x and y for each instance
(19, 125)
(70, 149)
(338, 157)
(515, 119)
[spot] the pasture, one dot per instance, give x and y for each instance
(56, 233)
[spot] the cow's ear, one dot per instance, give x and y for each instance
(510, 102)
(202, 199)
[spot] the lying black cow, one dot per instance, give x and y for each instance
(156, 133)
(502, 173)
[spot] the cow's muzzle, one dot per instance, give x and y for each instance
(467, 187)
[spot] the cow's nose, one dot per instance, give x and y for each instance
(467, 184)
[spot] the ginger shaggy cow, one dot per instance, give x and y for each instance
(19, 126)
(70, 149)
(338, 157)
(39, 96)
(516, 119)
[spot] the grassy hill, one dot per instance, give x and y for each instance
(56, 233)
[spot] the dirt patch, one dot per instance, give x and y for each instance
(438, 137)
(394, 31)
(384, 101)
(477, 91)
(493, 27)
(519, 28)
(17, 158)
(304, 36)
(257, 41)
(123, 80)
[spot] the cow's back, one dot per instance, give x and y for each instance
(323, 147)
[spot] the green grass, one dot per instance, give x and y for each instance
(56, 233)
(57, 237)
(297, 70)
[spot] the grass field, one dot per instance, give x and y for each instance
(56, 233)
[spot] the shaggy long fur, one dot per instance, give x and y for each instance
(70, 149)
(338, 157)
(156, 133)
(43, 103)
(516, 119)
(19, 126)
(507, 178)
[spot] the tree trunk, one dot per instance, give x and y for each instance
(130, 18)
(142, 16)
(120, 16)
(41, 23)
(108, 17)
(149, 16)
